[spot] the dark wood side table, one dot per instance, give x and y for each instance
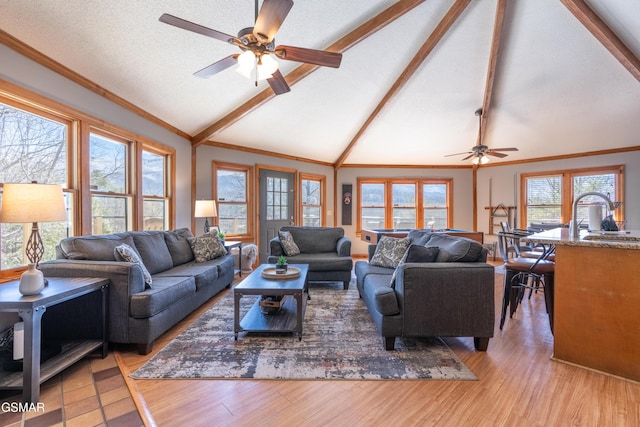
(228, 244)
(31, 309)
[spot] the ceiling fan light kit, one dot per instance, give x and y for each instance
(264, 66)
(482, 159)
(258, 46)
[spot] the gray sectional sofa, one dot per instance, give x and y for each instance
(449, 295)
(325, 249)
(139, 313)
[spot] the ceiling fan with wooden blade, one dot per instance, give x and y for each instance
(258, 45)
(480, 151)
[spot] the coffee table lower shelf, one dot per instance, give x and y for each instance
(286, 320)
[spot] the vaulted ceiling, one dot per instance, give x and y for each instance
(554, 77)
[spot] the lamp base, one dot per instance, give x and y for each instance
(31, 281)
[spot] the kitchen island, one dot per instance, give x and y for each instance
(596, 300)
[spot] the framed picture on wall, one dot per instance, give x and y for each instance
(346, 203)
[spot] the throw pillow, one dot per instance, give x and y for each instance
(415, 253)
(127, 253)
(419, 253)
(389, 251)
(206, 247)
(455, 249)
(289, 246)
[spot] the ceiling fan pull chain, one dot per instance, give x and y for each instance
(257, 63)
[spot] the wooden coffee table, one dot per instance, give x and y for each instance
(288, 319)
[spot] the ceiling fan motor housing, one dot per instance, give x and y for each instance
(253, 43)
(480, 149)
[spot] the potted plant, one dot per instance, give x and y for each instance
(221, 236)
(281, 265)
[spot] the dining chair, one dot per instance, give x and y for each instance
(523, 273)
(513, 245)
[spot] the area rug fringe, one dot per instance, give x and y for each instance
(339, 342)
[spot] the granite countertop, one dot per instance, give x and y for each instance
(560, 237)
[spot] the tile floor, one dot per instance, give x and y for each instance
(92, 392)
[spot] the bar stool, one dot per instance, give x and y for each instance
(542, 253)
(519, 271)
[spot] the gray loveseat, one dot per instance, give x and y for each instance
(451, 295)
(139, 314)
(325, 249)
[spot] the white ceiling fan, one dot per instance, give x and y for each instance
(258, 46)
(480, 152)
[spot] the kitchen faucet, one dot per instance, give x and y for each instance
(573, 225)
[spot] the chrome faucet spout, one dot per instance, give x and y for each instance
(573, 225)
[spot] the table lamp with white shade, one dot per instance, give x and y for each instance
(24, 203)
(206, 209)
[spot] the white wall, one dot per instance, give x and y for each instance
(505, 183)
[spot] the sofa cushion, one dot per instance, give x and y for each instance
(96, 248)
(153, 250)
(314, 240)
(377, 286)
(454, 248)
(204, 273)
(126, 253)
(323, 262)
(288, 244)
(166, 292)
(178, 245)
(206, 247)
(389, 251)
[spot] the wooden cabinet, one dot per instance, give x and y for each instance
(597, 309)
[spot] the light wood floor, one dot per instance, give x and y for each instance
(519, 385)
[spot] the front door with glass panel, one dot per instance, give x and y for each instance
(276, 206)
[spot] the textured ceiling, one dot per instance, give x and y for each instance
(557, 89)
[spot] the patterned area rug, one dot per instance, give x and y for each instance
(339, 341)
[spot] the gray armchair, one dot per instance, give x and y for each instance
(325, 249)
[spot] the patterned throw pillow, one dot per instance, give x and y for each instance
(206, 247)
(389, 251)
(127, 253)
(289, 246)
